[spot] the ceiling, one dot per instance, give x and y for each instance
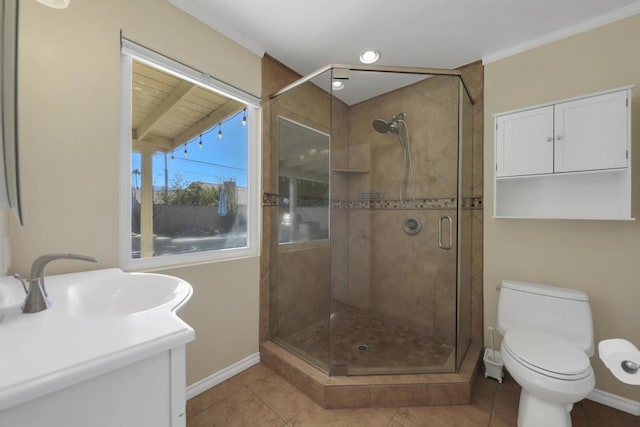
(168, 111)
(306, 35)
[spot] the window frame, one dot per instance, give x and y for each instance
(129, 52)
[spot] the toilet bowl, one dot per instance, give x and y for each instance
(553, 373)
(548, 339)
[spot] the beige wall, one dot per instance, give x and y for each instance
(601, 258)
(70, 146)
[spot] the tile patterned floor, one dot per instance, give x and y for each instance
(390, 346)
(260, 397)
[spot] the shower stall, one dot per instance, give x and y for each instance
(371, 228)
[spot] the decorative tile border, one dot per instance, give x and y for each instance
(472, 203)
(271, 199)
(442, 203)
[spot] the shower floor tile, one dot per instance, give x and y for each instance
(369, 344)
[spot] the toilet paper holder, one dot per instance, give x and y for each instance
(629, 367)
(622, 358)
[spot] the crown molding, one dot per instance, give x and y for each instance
(582, 27)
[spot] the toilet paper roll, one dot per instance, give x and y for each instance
(615, 351)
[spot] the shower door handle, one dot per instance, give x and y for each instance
(446, 246)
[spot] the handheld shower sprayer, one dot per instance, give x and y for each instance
(393, 126)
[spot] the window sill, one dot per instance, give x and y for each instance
(187, 260)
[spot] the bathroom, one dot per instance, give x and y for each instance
(70, 112)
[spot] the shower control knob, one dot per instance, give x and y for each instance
(412, 226)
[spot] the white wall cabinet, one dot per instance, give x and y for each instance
(524, 142)
(592, 133)
(567, 159)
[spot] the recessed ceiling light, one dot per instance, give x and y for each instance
(337, 85)
(56, 4)
(369, 56)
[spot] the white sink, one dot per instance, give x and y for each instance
(116, 294)
(99, 322)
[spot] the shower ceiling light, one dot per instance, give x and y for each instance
(369, 56)
(337, 85)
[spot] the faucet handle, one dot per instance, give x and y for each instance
(24, 285)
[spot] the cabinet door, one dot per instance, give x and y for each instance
(524, 142)
(592, 133)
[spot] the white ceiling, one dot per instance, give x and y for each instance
(306, 35)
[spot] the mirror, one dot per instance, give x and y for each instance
(303, 164)
(9, 181)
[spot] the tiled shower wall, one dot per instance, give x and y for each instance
(387, 269)
(392, 274)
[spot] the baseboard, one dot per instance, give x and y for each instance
(213, 380)
(618, 402)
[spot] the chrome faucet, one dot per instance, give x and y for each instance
(36, 299)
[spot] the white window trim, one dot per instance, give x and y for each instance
(132, 51)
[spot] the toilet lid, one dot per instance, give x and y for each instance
(547, 354)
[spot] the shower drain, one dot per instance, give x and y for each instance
(361, 347)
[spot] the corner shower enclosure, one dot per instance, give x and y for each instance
(371, 242)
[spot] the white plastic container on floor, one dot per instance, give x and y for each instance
(493, 364)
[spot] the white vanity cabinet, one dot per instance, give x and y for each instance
(108, 352)
(147, 393)
(567, 159)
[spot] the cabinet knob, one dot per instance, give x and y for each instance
(549, 139)
(559, 137)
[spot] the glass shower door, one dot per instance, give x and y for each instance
(299, 267)
(394, 231)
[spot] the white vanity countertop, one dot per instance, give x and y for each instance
(44, 352)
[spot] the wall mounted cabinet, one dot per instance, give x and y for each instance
(568, 159)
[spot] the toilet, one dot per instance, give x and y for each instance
(547, 341)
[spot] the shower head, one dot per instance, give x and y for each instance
(384, 126)
(391, 125)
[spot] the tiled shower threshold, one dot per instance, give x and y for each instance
(364, 391)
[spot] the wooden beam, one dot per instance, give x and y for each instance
(180, 91)
(146, 207)
(153, 143)
(213, 118)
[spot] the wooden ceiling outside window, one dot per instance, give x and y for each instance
(168, 111)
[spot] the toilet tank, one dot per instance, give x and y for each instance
(553, 310)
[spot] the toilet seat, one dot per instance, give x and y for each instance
(546, 354)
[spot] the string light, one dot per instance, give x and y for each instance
(220, 135)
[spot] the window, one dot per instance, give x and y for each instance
(303, 164)
(189, 165)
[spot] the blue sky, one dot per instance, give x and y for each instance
(218, 160)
